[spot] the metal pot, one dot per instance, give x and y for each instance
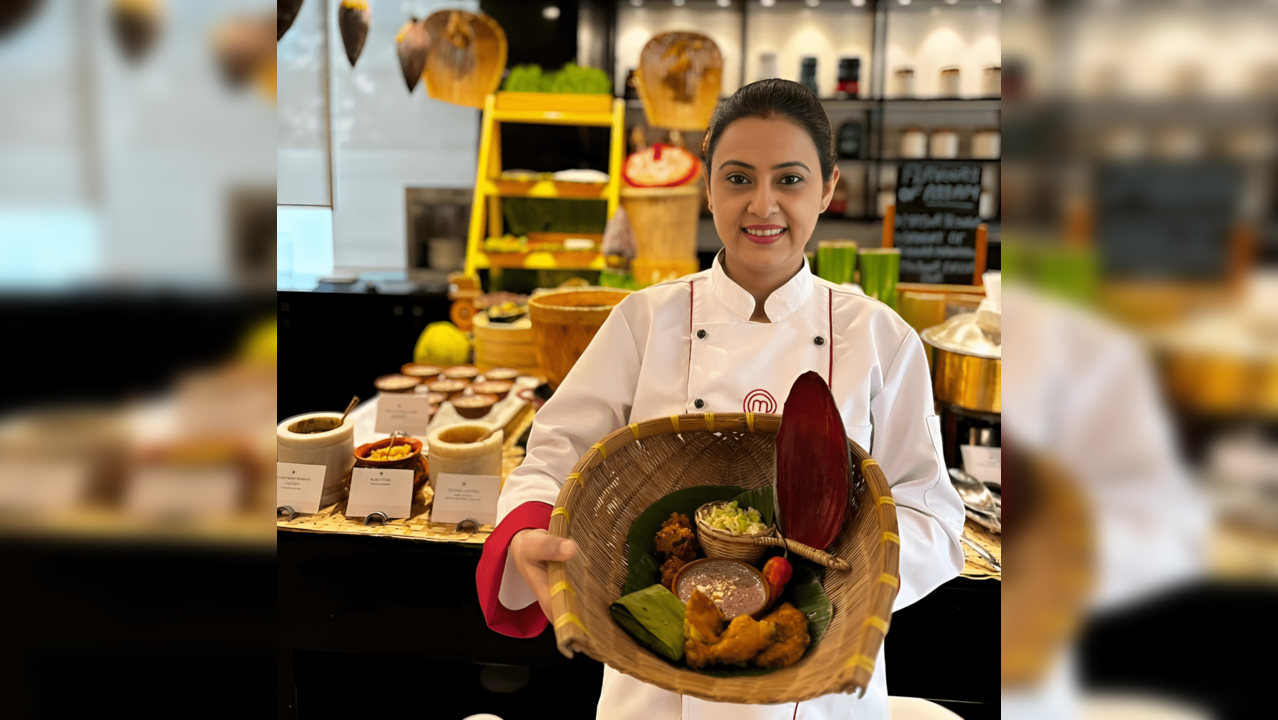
(966, 363)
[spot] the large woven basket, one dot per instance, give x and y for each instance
(564, 322)
(623, 474)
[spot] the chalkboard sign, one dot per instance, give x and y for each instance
(1165, 220)
(936, 218)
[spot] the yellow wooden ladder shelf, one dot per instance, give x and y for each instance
(545, 109)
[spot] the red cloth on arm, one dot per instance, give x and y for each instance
(530, 621)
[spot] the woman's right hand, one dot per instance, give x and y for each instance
(531, 550)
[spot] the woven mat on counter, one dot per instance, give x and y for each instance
(417, 526)
(976, 568)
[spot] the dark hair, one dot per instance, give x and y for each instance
(767, 99)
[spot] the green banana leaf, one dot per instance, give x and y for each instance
(644, 568)
(761, 499)
(643, 580)
(654, 616)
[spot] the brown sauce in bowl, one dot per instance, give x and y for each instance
(735, 587)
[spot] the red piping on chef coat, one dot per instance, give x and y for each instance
(830, 307)
(530, 621)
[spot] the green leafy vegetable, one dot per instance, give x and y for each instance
(523, 78)
(571, 78)
(654, 616)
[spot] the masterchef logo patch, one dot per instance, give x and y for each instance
(760, 401)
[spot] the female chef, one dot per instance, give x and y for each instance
(734, 339)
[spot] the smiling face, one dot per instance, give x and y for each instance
(766, 192)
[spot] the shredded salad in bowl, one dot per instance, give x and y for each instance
(730, 517)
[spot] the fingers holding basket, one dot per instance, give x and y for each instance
(531, 550)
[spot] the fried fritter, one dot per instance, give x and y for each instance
(743, 639)
(668, 570)
(703, 620)
(791, 640)
(676, 539)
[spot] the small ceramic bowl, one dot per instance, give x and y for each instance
(448, 388)
(434, 397)
(427, 373)
(461, 372)
(528, 395)
(396, 383)
(500, 388)
(473, 407)
(502, 374)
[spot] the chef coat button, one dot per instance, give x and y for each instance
(819, 340)
(701, 334)
(699, 403)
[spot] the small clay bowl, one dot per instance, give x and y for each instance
(414, 461)
(528, 395)
(746, 592)
(396, 383)
(434, 397)
(418, 370)
(461, 372)
(473, 407)
(500, 388)
(448, 388)
(502, 374)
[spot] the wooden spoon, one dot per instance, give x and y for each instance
(349, 408)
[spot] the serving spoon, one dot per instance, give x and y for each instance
(974, 493)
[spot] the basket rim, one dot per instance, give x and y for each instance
(849, 676)
(533, 299)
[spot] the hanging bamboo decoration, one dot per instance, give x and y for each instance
(679, 80)
(466, 59)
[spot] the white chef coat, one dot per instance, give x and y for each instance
(1082, 391)
(667, 347)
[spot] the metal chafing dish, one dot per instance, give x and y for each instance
(966, 363)
(966, 380)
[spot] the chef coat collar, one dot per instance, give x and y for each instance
(779, 305)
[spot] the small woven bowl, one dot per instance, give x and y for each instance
(722, 545)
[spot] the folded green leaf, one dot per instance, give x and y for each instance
(654, 616)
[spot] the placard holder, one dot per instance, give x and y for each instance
(470, 523)
(378, 516)
(286, 510)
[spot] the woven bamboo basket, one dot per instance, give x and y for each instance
(749, 548)
(719, 544)
(627, 471)
(505, 345)
(1055, 555)
(679, 80)
(664, 221)
(564, 322)
(467, 57)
